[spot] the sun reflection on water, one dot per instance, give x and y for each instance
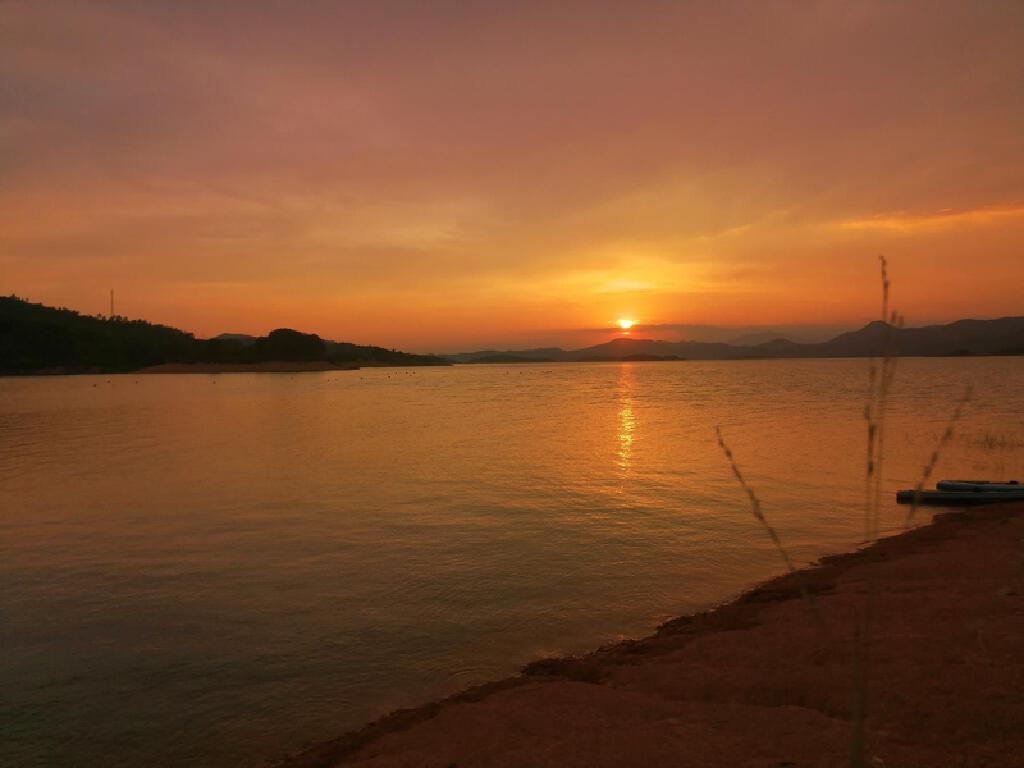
(627, 420)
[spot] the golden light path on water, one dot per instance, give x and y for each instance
(627, 420)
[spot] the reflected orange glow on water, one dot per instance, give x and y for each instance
(373, 539)
(627, 419)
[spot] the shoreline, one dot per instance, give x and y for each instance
(275, 366)
(280, 366)
(759, 679)
(271, 367)
(738, 359)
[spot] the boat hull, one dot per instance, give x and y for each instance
(958, 498)
(978, 485)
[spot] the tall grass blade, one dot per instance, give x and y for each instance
(755, 503)
(758, 513)
(929, 467)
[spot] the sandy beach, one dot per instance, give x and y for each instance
(768, 679)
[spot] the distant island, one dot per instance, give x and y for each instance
(35, 339)
(1004, 336)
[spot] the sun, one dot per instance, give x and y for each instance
(625, 324)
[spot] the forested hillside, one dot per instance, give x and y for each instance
(34, 337)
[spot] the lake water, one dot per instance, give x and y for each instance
(214, 570)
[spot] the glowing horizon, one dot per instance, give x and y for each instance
(456, 176)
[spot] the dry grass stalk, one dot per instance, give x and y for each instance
(755, 508)
(881, 373)
(755, 503)
(944, 440)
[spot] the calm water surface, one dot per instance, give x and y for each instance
(214, 570)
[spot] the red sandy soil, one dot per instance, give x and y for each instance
(283, 366)
(767, 680)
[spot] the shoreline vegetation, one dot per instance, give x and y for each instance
(36, 339)
(755, 682)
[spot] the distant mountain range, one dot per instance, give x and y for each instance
(737, 335)
(1004, 336)
(35, 338)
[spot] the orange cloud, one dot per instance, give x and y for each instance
(937, 220)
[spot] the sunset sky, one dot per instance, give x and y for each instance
(449, 175)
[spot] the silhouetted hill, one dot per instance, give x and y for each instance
(242, 338)
(542, 354)
(1004, 336)
(761, 337)
(340, 351)
(964, 337)
(34, 337)
(622, 348)
(504, 357)
(629, 357)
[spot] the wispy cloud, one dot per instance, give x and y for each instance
(913, 222)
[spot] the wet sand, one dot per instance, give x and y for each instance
(768, 679)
